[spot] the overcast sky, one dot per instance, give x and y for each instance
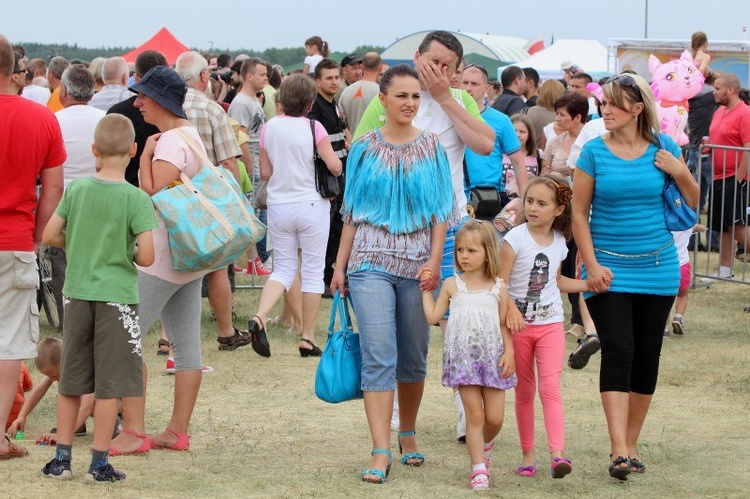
(346, 24)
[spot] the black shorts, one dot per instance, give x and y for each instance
(729, 202)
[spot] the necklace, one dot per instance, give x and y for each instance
(627, 150)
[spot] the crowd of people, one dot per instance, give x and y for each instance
(465, 202)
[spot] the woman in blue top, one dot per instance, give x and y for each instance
(629, 255)
(397, 202)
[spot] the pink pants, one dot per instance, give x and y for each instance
(546, 344)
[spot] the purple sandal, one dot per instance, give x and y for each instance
(527, 471)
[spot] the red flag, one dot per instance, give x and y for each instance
(535, 44)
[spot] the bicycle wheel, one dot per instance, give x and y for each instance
(46, 294)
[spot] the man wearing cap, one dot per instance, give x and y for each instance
(569, 69)
(355, 98)
(143, 63)
(221, 146)
(351, 72)
(509, 102)
(31, 147)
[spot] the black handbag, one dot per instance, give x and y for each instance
(328, 185)
(486, 200)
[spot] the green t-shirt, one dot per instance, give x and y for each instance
(103, 219)
(245, 184)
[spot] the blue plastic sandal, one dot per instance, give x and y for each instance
(417, 457)
(378, 473)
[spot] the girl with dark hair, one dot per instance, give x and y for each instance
(316, 50)
(532, 255)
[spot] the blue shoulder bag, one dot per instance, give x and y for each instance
(339, 374)
(678, 215)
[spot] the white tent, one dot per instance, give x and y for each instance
(490, 50)
(590, 55)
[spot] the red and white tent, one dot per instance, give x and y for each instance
(163, 41)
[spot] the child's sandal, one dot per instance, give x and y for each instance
(561, 467)
(487, 451)
(480, 480)
(527, 471)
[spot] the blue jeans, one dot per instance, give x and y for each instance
(260, 246)
(393, 332)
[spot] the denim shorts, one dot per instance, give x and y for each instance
(393, 332)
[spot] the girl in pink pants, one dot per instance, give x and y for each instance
(531, 255)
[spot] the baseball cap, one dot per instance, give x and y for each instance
(351, 59)
(164, 86)
(566, 64)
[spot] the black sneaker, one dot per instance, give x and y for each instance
(587, 346)
(104, 473)
(57, 469)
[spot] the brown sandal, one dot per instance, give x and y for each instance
(240, 339)
(14, 451)
(163, 347)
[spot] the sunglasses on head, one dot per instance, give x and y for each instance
(625, 80)
(479, 67)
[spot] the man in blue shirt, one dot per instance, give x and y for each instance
(488, 170)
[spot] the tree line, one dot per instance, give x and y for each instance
(289, 57)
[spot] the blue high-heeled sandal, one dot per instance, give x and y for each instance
(416, 457)
(376, 472)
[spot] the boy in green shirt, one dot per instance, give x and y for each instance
(98, 221)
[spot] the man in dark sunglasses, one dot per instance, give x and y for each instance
(18, 78)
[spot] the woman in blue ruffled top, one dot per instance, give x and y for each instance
(397, 202)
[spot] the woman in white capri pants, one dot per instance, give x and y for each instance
(298, 217)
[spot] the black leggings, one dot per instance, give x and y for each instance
(631, 331)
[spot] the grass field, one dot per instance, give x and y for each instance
(259, 431)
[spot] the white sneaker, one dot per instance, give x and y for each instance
(461, 423)
(394, 419)
(717, 275)
(395, 423)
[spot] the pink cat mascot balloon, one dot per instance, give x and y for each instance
(673, 83)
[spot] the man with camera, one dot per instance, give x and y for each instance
(483, 174)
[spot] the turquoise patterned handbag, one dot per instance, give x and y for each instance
(209, 222)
